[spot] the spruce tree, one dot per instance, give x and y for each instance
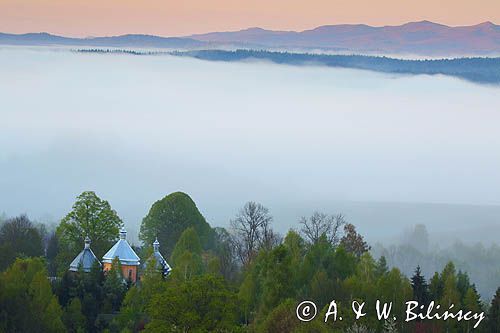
(494, 313)
(420, 287)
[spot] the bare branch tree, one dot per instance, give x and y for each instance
(319, 224)
(251, 230)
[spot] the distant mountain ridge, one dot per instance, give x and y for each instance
(418, 38)
(424, 37)
(131, 40)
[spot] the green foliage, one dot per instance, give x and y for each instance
(132, 316)
(26, 300)
(208, 292)
(494, 313)
(186, 256)
(284, 319)
(420, 287)
(276, 278)
(73, 318)
(381, 269)
(92, 217)
(436, 287)
(169, 217)
(202, 304)
(19, 238)
(114, 288)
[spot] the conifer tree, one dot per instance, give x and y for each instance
(494, 313)
(420, 287)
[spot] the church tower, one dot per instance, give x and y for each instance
(161, 263)
(85, 259)
(129, 260)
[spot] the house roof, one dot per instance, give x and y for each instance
(84, 259)
(123, 251)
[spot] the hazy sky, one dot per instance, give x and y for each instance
(168, 17)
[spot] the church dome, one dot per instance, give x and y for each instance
(123, 251)
(85, 259)
(161, 263)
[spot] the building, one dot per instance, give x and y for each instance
(85, 259)
(128, 258)
(161, 263)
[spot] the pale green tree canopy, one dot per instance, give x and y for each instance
(93, 217)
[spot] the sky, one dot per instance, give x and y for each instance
(85, 18)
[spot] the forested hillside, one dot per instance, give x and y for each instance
(247, 278)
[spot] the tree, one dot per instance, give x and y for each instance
(114, 287)
(186, 256)
(202, 304)
(19, 238)
(73, 317)
(251, 229)
(353, 242)
(225, 254)
(381, 269)
(51, 253)
(276, 278)
(472, 302)
(420, 287)
(463, 284)
(132, 314)
(284, 319)
(322, 224)
(169, 217)
(26, 300)
(436, 287)
(418, 238)
(92, 217)
(494, 313)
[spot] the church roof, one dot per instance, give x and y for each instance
(160, 261)
(84, 259)
(123, 251)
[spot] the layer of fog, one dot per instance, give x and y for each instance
(386, 151)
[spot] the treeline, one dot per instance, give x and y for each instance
(476, 69)
(416, 246)
(118, 51)
(480, 70)
(247, 278)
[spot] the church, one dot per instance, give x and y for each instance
(129, 260)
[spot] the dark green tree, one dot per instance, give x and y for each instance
(494, 313)
(420, 287)
(114, 288)
(19, 238)
(463, 284)
(169, 217)
(73, 318)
